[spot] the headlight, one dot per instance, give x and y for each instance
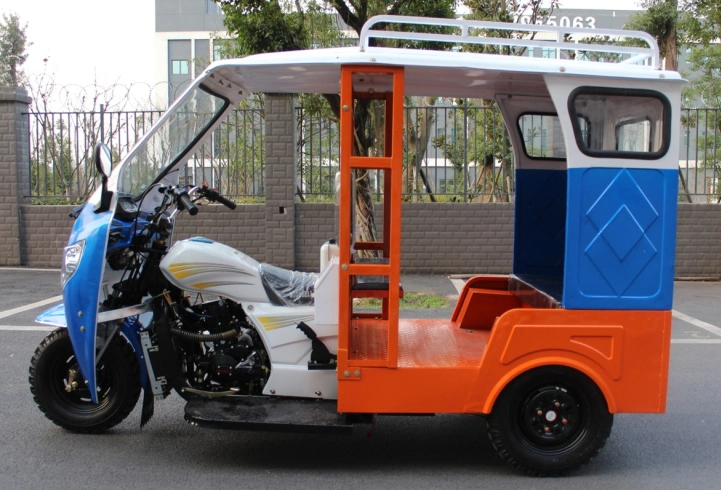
(71, 259)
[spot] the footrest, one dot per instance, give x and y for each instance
(268, 414)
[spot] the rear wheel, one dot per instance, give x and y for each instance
(550, 421)
(59, 389)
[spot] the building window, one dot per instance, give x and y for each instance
(212, 8)
(218, 52)
(181, 67)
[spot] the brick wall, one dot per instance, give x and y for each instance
(243, 229)
(698, 240)
(457, 238)
(437, 238)
(45, 232)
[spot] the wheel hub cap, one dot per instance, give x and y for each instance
(550, 417)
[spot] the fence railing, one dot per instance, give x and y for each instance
(460, 152)
(700, 156)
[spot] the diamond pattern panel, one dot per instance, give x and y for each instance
(621, 248)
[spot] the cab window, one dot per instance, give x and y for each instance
(620, 123)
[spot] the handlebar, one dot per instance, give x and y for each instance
(214, 195)
(181, 197)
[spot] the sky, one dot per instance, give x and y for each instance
(80, 42)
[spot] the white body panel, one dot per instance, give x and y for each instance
(326, 295)
(289, 350)
(204, 266)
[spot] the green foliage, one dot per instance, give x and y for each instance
(505, 11)
(262, 26)
(701, 26)
(478, 136)
(658, 18)
(410, 301)
(701, 21)
(705, 85)
(13, 42)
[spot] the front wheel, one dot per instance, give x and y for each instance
(549, 421)
(60, 391)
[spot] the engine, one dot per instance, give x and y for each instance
(221, 350)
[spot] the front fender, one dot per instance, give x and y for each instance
(55, 317)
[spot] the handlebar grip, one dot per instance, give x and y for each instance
(185, 203)
(226, 202)
(214, 195)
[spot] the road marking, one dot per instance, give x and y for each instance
(20, 309)
(25, 328)
(458, 283)
(695, 321)
(696, 341)
(28, 269)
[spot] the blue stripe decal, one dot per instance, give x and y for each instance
(620, 230)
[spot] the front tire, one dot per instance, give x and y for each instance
(60, 392)
(550, 421)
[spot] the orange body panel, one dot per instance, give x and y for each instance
(481, 307)
(389, 365)
(624, 352)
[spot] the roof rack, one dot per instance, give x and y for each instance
(637, 53)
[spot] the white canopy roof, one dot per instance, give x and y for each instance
(428, 73)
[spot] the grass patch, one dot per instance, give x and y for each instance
(411, 301)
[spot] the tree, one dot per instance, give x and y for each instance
(701, 25)
(659, 18)
(268, 26)
(13, 43)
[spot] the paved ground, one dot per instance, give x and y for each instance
(679, 449)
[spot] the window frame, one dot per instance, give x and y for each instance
(523, 139)
(620, 92)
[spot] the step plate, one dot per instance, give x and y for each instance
(268, 414)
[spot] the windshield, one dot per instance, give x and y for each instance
(171, 140)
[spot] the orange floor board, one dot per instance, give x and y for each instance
(427, 342)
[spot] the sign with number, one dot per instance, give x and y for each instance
(563, 21)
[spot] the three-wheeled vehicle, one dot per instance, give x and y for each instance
(578, 332)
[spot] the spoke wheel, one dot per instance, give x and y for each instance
(550, 421)
(62, 395)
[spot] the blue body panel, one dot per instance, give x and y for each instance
(620, 234)
(54, 316)
(123, 232)
(80, 294)
(540, 222)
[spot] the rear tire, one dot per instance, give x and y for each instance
(550, 421)
(117, 377)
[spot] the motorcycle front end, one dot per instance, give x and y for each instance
(74, 387)
(86, 376)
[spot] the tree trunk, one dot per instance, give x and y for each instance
(671, 48)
